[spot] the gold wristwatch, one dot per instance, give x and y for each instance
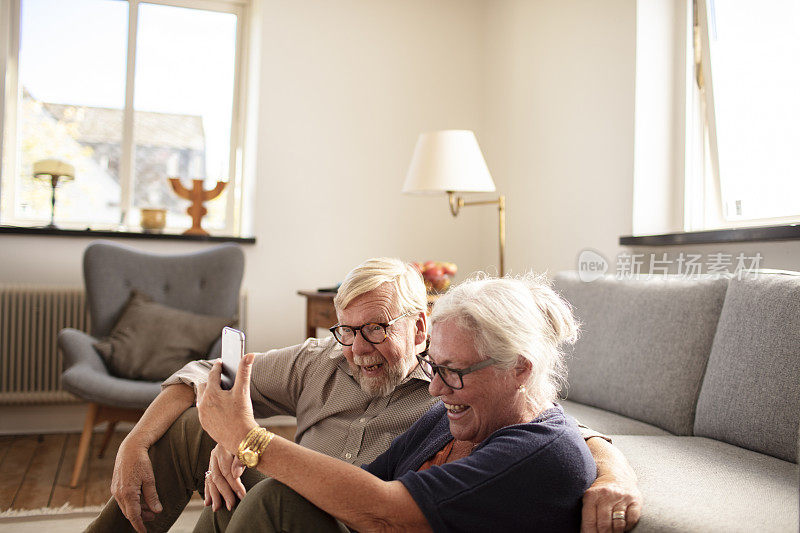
(253, 445)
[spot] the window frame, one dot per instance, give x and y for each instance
(671, 197)
(703, 178)
(10, 91)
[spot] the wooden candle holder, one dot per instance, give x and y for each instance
(197, 195)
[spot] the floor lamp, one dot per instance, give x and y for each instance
(451, 162)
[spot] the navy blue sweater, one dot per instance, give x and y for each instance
(524, 477)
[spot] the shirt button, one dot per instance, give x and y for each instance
(362, 420)
(348, 455)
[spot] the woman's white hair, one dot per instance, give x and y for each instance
(511, 317)
(369, 275)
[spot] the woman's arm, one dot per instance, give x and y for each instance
(354, 496)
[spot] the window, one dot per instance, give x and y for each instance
(130, 93)
(747, 114)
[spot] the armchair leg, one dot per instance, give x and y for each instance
(112, 425)
(83, 446)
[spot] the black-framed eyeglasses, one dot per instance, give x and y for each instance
(452, 377)
(372, 332)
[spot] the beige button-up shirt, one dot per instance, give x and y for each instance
(313, 382)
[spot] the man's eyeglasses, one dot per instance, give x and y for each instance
(452, 377)
(372, 332)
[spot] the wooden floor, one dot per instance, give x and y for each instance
(35, 470)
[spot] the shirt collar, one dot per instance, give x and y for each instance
(417, 373)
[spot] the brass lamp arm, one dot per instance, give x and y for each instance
(457, 202)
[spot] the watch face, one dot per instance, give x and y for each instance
(249, 458)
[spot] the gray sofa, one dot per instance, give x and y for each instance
(698, 383)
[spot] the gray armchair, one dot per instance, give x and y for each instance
(204, 282)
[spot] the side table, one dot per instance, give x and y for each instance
(320, 312)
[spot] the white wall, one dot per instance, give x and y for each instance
(559, 132)
(346, 87)
(660, 154)
(559, 108)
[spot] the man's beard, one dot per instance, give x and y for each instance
(377, 387)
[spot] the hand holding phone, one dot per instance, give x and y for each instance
(232, 353)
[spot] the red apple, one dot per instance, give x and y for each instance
(450, 268)
(441, 283)
(433, 272)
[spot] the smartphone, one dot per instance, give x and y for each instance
(232, 353)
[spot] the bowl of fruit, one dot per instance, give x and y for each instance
(437, 275)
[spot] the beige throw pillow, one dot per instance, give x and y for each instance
(150, 341)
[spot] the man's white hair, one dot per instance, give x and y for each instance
(372, 273)
(511, 317)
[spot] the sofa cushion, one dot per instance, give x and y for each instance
(698, 484)
(644, 345)
(751, 392)
(607, 422)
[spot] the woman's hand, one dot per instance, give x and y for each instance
(227, 415)
(223, 482)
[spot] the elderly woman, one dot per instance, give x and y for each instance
(495, 453)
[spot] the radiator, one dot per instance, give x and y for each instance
(30, 318)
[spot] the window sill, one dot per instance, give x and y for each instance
(786, 232)
(19, 230)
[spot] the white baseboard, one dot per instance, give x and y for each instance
(55, 418)
(68, 418)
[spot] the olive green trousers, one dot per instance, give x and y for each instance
(180, 459)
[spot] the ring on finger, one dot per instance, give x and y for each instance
(618, 515)
(208, 473)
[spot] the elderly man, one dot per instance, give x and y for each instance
(351, 397)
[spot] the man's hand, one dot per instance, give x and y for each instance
(614, 492)
(227, 415)
(609, 495)
(223, 480)
(134, 486)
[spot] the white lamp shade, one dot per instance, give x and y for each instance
(449, 160)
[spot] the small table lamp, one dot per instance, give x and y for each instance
(451, 161)
(54, 170)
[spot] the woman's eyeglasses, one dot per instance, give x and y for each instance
(452, 377)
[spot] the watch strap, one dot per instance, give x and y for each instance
(253, 445)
